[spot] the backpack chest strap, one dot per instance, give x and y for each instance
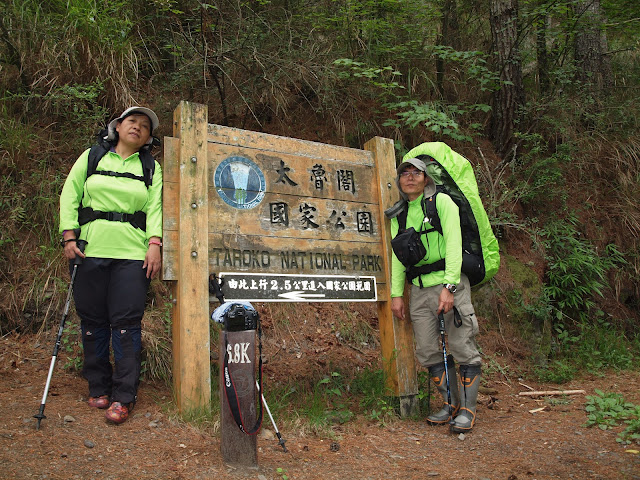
(109, 173)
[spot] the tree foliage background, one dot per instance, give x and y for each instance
(540, 95)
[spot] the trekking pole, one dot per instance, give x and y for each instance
(446, 367)
(81, 244)
(280, 439)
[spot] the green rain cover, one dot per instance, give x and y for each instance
(459, 170)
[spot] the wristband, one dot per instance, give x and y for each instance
(63, 242)
(155, 242)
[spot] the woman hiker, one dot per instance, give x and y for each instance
(116, 206)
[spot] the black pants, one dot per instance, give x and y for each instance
(110, 298)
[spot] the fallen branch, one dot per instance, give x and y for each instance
(525, 386)
(552, 392)
(536, 410)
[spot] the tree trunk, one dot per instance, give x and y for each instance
(449, 36)
(593, 66)
(542, 55)
(510, 95)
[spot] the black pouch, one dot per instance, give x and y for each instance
(408, 247)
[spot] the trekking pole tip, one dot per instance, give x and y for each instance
(39, 416)
(281, 442)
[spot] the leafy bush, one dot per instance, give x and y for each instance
(593, 345)
(607, 410)
(436, 117)
(326, 404)
(557, 371)
(376, 401)
(575, 273)
(584, 336)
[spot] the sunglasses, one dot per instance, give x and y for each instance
(412, 173)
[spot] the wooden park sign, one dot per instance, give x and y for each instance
(279, 219)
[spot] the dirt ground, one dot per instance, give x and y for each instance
(515, 437)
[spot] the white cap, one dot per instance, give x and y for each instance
(130, 111)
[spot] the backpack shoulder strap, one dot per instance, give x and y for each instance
(100, 149)
(148, 166)
(96, 152)
(402, 218)
(431, 212)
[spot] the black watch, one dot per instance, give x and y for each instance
(451, 287)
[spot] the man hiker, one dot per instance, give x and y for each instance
(437, 286)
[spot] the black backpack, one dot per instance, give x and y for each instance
(472, 264)
(453, 175)
(99, 150)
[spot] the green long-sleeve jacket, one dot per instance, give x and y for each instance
(109, 239)
(447, 246)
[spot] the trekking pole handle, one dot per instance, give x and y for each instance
(441, 319)
(81, 244)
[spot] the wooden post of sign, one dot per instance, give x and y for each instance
(396, 336)
(190, 242)
(238, 448)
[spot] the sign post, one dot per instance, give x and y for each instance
(185, 253)
(396, 336)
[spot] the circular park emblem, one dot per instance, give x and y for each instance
(239, 182)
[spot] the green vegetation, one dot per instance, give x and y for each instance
(576, 273)
(333, 400)
(607, 410)
(282, 472)
(156, 338)
(71, 346)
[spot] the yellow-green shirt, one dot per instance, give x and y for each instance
(447, 246)
(109, 239)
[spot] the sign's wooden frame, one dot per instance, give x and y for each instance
(198, 227)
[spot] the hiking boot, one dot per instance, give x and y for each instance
(117, 413)
(470, 379)
(438, 376)
(99, 402)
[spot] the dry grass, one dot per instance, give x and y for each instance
(626, 165)
(72, 47)
(156, 335)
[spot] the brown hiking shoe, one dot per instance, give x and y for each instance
(117, 413)
(99, 402)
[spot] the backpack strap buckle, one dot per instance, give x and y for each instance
(116, 217)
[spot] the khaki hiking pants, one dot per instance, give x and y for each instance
(461, 341)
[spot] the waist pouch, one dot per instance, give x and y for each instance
(408, 247)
